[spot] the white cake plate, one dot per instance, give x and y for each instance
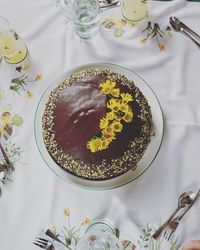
(149, 154)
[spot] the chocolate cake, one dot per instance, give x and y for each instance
(97, 124)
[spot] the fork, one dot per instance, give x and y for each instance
(43, 243)
(173, 224)
(184, 29)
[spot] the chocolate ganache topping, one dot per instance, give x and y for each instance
(77, 113)
(72, 117)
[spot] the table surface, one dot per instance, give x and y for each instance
(36, 197)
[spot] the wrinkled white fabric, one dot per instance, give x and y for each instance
(36, 197)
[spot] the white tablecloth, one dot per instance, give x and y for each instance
(36, 197)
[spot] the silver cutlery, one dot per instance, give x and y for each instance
(184, 29)
(43, 243)
(104, 4)
(54, 237)
(8, 162)
(185, 199)
(173, 224)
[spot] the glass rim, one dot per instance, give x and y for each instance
(103, 222)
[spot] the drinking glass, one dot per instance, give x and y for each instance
(100, 235)
(65, 8)
(4, 25)
(12, 48)
(134, 10)
(86, 17)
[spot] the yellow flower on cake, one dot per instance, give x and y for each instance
(104, 143)
(128, 116)
(117, 126)
(107, 87)
(124, 107)
(66, 212)
(113, 104)
(94, 145)
(108, 133)
(115, 92)
(126, 97)
(104, 122)
(110, 115)
(91, 146)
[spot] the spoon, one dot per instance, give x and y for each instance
(173, 224)
(185, 199)
(109, 3)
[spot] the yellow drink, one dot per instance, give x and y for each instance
(12, 47)
(134, 10)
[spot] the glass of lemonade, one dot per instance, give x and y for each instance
(134, 10)
(86, 17)
(12, 48)
(100, 235)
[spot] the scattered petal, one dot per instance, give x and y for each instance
(66, 212)
(143, 40)
(162, 47)
(86, 221)
(38, 77)
(29, 94)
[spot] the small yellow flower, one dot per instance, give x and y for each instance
(38, 77)
(97, 143)
(108, 133)
(91, 146)
(2, 94)
(29, 94)
(105, 143)
(124, 107)
(110, 115)
(94, 145)
(104, 122)
(66, 212)
(115, 92)
(143, 40)
(162, 47)
(126, 97)
(128, 116)
(107, 87)
(86, 221)
(113, 104)
(117, 126)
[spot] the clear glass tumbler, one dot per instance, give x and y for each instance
(86, 17)
(99, 236)
(134, 10)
